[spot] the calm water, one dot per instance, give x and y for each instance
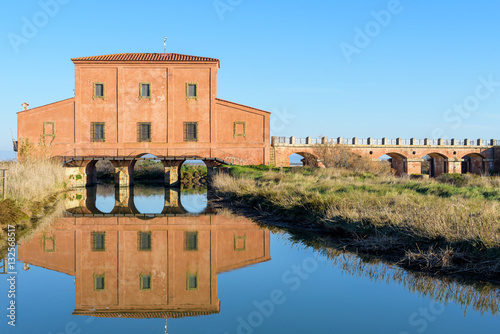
(150, 260)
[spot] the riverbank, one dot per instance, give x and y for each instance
(32, 193)
(448, 226)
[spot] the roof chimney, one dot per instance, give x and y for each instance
(25, 106)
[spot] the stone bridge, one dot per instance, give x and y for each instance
(405, 155)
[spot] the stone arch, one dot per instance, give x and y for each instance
(398, 163)
(147, 170)
(474, 163)
(199, 162)
(103, 168)
(438, 164)
(308, 159)
(91, 171)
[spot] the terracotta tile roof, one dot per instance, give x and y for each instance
(146, 315)
(145, 57)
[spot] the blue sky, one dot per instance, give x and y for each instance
(374, 68)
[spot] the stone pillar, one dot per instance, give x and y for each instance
(440, 141)
(76, 176)
(122, 197)
(384, 141)
(398, 141)
(340, 140)
(414, 166)
(412, 141)
(81, 173)
(489, 166)
(453, 166)
(172, 172)
(75, 198)
(426, 141)
(308, 140)
(355, 141)
(292, 140)
(439, 165)
(171, 198)
(324, 140)
(369, 141)
(124, 172)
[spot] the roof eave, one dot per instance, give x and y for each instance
(79, 62)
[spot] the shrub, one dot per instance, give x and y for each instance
(342, 156)
(454, 179)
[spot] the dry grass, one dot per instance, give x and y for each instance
(340, 198)
(457, 220)
(32, 180)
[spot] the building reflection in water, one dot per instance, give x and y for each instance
(145, 265)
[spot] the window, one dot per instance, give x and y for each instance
(191, 241)
(49, 244)
(192, 281)
(98, 241)
(145, 281)
(190, 131)
(49, 129)
(98, 131)
(240, 243)
(191, 91)
(143, 132)
(240, 129)
(144, 241)
(145, 90)
(98, 90)
(99, 282)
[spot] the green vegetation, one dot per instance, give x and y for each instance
(447, 225)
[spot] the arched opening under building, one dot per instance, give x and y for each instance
(303, 159)
(397, 162)
(474, 163)
(193, 176)
(437, 164)
(148, 171)
(148, 199)
(104, 171)
(102, 196)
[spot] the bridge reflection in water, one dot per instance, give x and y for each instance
(145, 265)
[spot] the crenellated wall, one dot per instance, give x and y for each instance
(406, 156)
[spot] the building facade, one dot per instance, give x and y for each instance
(128, 105)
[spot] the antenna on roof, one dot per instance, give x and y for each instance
(165, 44)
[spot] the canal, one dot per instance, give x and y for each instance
(156, 260)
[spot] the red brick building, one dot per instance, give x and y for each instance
(128, 105)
